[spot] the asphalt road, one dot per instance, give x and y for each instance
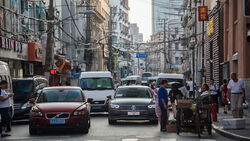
(101, 131)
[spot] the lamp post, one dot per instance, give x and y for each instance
(192, 43)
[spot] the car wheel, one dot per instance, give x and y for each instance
(85, 128)
(154, 121)
(112, 121)
(32, 131)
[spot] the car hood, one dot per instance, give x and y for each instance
(133, 101)
(59, 106)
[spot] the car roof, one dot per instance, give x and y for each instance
(96, 74)
(171, 75)
(62, 87)
(133, 86)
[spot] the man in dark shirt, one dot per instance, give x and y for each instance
(163, 104)
(174, 94)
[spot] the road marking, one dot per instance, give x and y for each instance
(129, 139)
(207, 140)
(92, 140)
(167, 139)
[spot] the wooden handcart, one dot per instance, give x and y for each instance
(193, 116)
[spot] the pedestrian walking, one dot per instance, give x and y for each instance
(4, 107)
(236, 90)
(163, 104)
(224, 90)
(214, 92)
(174, 94)
(190, 88)
(157, 107)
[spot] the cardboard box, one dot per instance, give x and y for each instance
(235, 123)
(171, 128)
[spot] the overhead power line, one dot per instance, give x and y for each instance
(73, 19)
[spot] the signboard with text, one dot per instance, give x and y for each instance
(141, 55)
(210, 27)
(203, 14)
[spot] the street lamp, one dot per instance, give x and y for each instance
(192, 43)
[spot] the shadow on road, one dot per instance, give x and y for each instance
(20, 122)
(133, 123)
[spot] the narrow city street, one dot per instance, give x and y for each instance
(101, 131)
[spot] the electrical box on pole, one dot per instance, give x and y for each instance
(246, 8)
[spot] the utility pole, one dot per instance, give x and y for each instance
(203, 48)
(110, 39)
(164, 45)
(195, 32)
(138, 61)
(50, 41)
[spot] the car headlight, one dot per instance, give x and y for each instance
(114, 106)
(35, 112)
(80, 111)
(151, 106)
(25, 105)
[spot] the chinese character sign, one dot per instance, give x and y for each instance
(202, 13)
(210, 27)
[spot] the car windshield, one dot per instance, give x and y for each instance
(60, 95)
(133, 93)
(170, 81)
(22, 89)
(96, 83)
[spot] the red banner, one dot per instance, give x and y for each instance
(203, 14)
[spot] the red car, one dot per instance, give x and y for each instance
(60, 108)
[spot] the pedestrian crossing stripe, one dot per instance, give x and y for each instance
(129, 139)
(168, 140)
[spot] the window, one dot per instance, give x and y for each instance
(96, 83)
(176, 46)
(114, 25)
(235, 10)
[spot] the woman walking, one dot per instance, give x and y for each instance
(224, 90)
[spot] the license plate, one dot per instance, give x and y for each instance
(57, 121)
(133, 113)
(96, 107)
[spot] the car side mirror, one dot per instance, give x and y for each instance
(109, 97)
(89, 100)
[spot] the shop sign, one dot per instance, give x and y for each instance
(210, 27)
(11, 45)
(35, 52)
(203, 14)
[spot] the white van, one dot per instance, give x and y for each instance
(172, 78)
(97, 85)
(5, 75)
(133, 80)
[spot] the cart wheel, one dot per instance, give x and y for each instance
(209, 126)
(178, 122)
(198, 124)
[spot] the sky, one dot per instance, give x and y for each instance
(140, 13)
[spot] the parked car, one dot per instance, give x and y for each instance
(24, 89)
(5, 75)
(97, 85)
(60, 108)
(132, 103)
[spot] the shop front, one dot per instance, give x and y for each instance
(14, 53)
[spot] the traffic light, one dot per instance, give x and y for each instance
(52, 71)
(125, 75)
(246, 8)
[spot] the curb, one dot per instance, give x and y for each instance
(229, 135)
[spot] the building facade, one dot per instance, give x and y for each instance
(236, 47)
(20, 36)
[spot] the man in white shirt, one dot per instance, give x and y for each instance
(236, 89)
(214, 88)
(4, 107)
(191, 88)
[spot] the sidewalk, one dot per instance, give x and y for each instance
(240, 134)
